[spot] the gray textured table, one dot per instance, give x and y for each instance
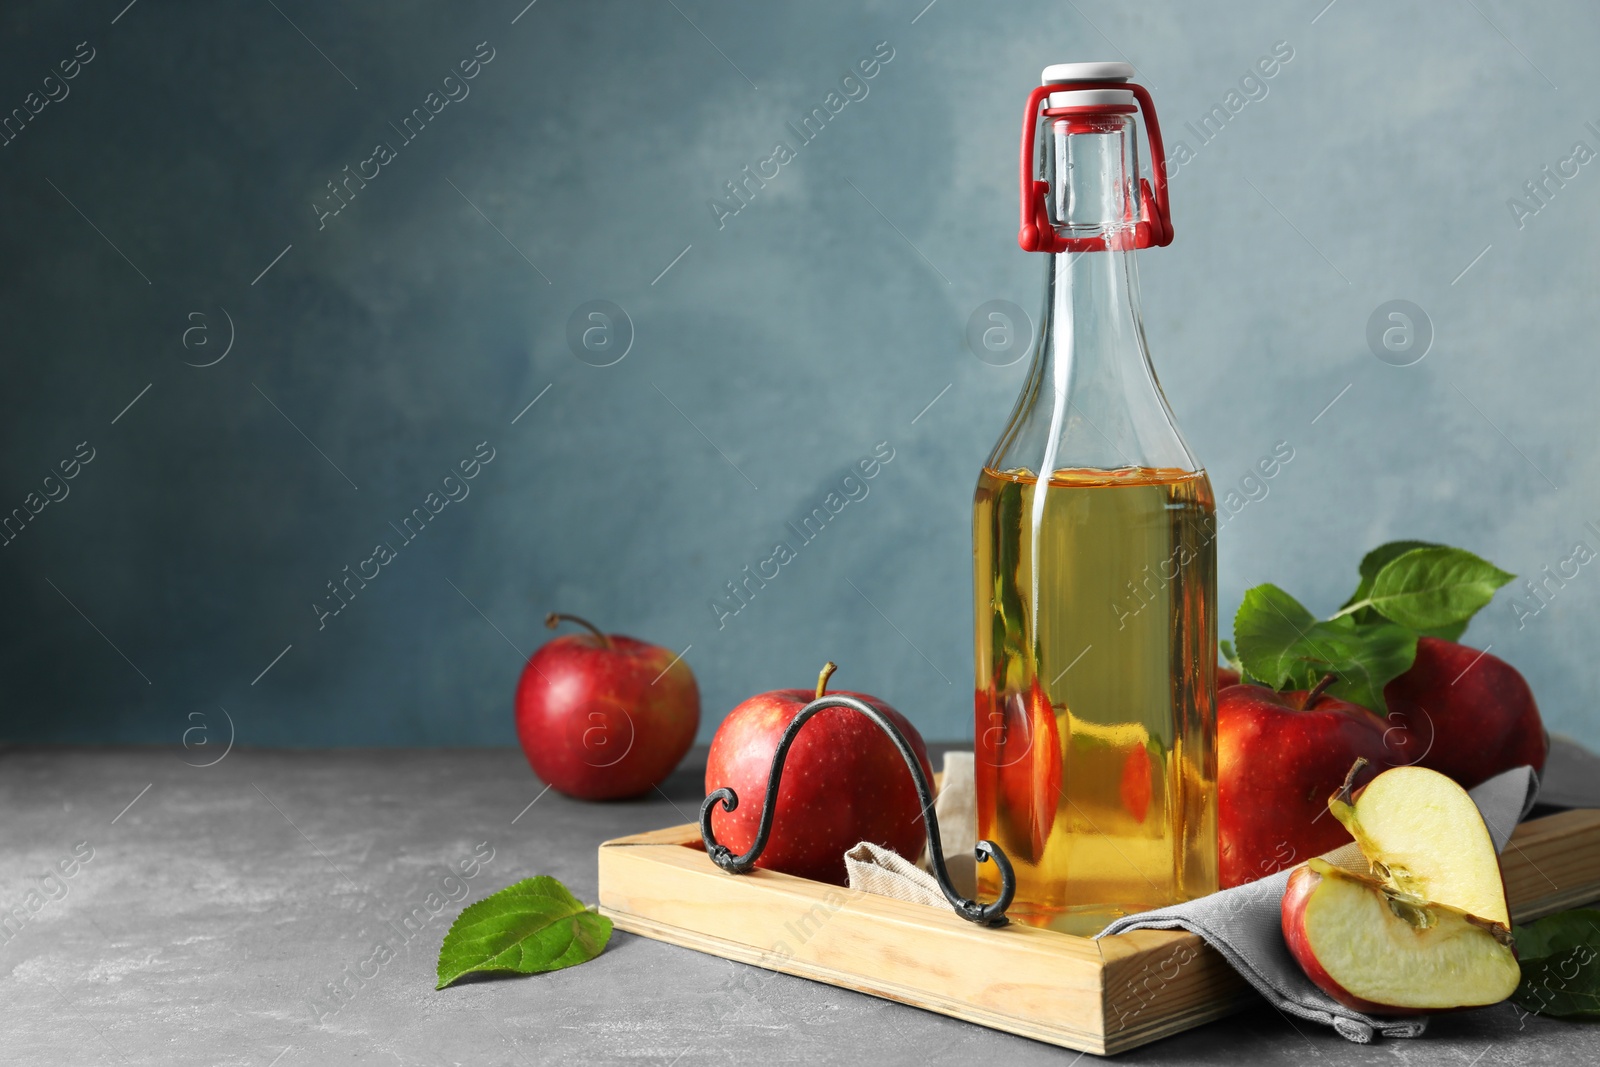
(217, 908)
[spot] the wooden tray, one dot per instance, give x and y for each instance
(1103, 996)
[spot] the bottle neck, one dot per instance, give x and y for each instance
(1092, 400)
(1092, 168)
(1094, 331)
(1094, 322)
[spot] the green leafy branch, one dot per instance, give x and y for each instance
(1408, 589)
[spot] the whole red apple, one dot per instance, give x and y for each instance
(1279, 757)
(603, 716)
(1463, 713)
(844, 782)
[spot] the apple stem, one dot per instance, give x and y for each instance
(1501, 934)
(822, 679)
(1317, 690)
(1345, 792)
(555, 618)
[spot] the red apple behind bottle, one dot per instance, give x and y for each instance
(1463, 713)
(603, 716)
(844, 782)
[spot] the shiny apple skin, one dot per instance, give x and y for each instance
(844, 782)
(1276, 767)
(1463, 713)
(601, 723)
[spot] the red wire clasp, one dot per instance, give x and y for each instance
(1038, 234)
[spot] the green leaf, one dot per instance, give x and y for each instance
(1429, 588)
(1285, 646)
(1366, 657)
(1452, 632)
(1555, 934)
(1371, 564)
(1560, 959)
(1378, 558)
(535, 925)
(1266, 632)
(1566, 986)
(1229, 656)
(1375, 561)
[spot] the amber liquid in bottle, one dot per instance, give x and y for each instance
(1095, 681)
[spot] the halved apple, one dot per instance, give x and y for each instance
(1428, 929)
(1424, 836)
(1376, 951)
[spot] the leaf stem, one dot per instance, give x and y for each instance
(1350, 609)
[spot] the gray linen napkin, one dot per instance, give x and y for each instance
(1242, 923)
(1245, 925)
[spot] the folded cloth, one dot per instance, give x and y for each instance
(1571, 776)
(874, 869)
(956, 806)
(1243, 923)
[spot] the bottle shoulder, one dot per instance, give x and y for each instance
(1091, 398)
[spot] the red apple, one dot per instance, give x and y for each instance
(1279, 757)
(844, 782)
(1463, 713)
(603, 716)
(1226, 676)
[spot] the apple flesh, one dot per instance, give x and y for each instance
(603, 716)
(1383, 953)
(1279, 757)
(1424, 836)
(1428, 928)
(844, 782)
(1463, 713)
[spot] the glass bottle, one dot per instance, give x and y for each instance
(1094, 556)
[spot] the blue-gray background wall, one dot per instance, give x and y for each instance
(779, 348)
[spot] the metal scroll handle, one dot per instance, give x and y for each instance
(991, 914)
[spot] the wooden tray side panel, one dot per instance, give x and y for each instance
(1159, 982)
(1552, 864)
